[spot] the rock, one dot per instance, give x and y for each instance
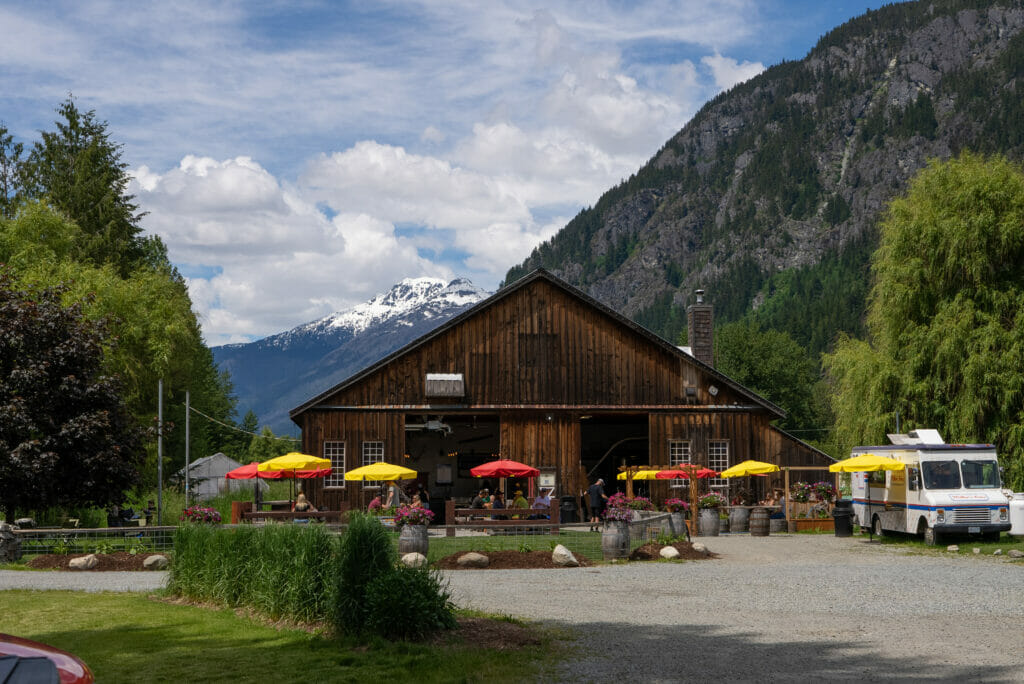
(155, 562)
(952, 547)
(414, 560)
(563, 557)
(669, 552)
(25, 523)
(1014, 553)
(976, 550)
(473, 560)
(84, 563)
(700, 548)
(997, 552)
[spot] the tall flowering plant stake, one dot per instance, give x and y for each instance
(200, 514)
(413, 515)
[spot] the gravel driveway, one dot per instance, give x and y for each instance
(778, 608)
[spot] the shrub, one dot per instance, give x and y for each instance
(366, 553)
(408, 603)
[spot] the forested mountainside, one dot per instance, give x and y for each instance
(770, 196)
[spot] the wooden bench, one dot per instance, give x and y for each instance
(548, 518)
(326, 516)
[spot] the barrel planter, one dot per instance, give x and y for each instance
(615, 539)
(760, 523)
(413, 539)
(677, 521)
(707, 522)
(739, 520)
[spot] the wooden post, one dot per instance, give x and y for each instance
(785, 496)
(555, 516)
(449, 517)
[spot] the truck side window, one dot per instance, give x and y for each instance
(941, 474)
(912, 475)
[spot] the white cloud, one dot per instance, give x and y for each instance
(727, 72)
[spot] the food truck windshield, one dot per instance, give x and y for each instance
(976, 474)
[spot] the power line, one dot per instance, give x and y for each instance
(238, 429)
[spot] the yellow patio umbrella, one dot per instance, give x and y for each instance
(294, 461)
(865, 463)
(639, 475)
(381, 471)
(749, 468)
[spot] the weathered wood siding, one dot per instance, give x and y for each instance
(540, 347)
(536, 441)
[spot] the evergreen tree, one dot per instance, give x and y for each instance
(11, 192)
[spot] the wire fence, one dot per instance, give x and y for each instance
(38, 541)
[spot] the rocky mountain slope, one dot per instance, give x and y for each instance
(274, 375)
(769, 197)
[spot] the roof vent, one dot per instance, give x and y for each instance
(445, 385)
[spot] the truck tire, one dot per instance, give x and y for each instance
(876, 527)
(931, 537)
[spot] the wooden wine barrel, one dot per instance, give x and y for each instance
(759, 522)
(615, 540)
(739, 519)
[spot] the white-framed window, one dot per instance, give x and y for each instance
(718, 460)
(335, 450)
(679, 454)
(372, 453)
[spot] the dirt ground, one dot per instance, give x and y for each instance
(122, 560)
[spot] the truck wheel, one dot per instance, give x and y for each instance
(931, 537)
(876, 525)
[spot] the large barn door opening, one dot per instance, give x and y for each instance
(610, 441)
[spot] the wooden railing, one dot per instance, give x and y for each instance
(326, 516)
(483, 518)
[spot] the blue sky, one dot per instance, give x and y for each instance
(300, 157)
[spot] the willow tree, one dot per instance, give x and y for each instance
(945, 322)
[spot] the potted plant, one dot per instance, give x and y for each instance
(412, 522)
(677, 509)
(825, 491)
(615, 533)
(708, 523)
(200, 514)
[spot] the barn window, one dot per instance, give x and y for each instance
(718, 459)
(445, 385)
(679, 454)
(373, 452)
(336, 452)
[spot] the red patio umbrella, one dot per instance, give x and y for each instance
(678, 472)
(251, 472)
(504, 468)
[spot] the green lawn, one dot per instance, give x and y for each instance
(135, 638)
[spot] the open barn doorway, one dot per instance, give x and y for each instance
(611, 440)
(442, 449)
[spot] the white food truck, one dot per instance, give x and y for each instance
(942, 489)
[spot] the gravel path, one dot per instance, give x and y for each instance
(778, 608)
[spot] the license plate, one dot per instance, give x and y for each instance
(973, 530)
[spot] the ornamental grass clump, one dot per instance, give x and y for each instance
(366, 553)
(409, 603)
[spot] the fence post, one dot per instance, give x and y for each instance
(556, 516)
(449, 517)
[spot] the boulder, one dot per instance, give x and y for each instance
(1015, 553)
(414, 560)
(84, 562)
(473, 560)
(155, 562)
(976, 550)
(997, 552)
(700, 548)
(669, 552)
(563, 557)
(953, 547)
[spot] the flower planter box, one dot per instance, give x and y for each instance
(814, 524)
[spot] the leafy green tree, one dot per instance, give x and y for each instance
(266, 446)
(78, 170)
(945, 343)
(772, 364)
(66, 437)
(10, 173)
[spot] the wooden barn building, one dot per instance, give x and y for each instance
(543, 374)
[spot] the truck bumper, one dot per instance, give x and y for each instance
(966, 528)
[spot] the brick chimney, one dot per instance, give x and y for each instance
(699, 321)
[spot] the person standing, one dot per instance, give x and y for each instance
(597, 497)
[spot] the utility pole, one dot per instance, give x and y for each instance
(187, 501)
(159, 451)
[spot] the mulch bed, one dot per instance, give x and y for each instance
(122, 560)
(651, 551)
(509, 560)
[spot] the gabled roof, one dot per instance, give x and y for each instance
(524, 282)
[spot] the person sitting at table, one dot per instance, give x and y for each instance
(542, 500)
(498, 502)
(480, 500)
(417, 502)
(519, 502)
(301, 505)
